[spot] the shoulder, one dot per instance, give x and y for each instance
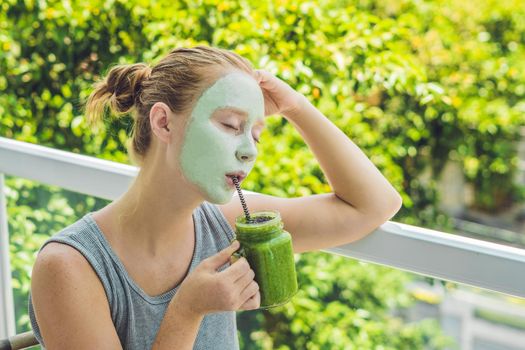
(69, 299)
(61, 256)
(59, 266)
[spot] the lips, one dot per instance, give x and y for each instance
(240, 175)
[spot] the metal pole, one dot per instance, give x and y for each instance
(7, 312)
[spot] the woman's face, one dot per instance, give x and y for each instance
(220, 136)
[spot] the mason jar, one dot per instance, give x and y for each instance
(268, 249)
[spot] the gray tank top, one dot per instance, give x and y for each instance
(136, 315)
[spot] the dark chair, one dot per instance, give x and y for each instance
(19, 341)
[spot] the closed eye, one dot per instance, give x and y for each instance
(234, 128)
(230, 126)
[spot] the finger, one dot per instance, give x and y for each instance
(254, 302)
(258, 76)
(236, 270)
(223, 256)
(245, 279)
(262, 75)
(249, 291)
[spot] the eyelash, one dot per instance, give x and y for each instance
(231, 127)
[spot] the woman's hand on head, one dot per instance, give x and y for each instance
(279, 97)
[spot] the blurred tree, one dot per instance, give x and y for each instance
(414, 84)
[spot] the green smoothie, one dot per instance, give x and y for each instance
(268, 249)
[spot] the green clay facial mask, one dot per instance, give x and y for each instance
(211, 150)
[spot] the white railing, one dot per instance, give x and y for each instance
(423, 251)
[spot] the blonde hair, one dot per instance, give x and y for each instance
(177, 80)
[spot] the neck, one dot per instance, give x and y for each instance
(155, 214)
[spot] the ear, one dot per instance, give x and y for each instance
(161, 122)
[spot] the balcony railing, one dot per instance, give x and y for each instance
(415, 249)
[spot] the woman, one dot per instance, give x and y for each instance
(152, 269)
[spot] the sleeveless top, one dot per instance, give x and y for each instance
(136, 315)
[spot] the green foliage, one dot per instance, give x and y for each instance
(412, 83)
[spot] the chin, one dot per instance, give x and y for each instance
(223, 198)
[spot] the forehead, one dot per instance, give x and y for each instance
(236, 92)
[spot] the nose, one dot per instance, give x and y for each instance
(246, 152)
(245, 156)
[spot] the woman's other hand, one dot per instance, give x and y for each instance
(205, 290)
(279, 97)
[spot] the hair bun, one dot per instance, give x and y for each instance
(124, 83)
(144, 73)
